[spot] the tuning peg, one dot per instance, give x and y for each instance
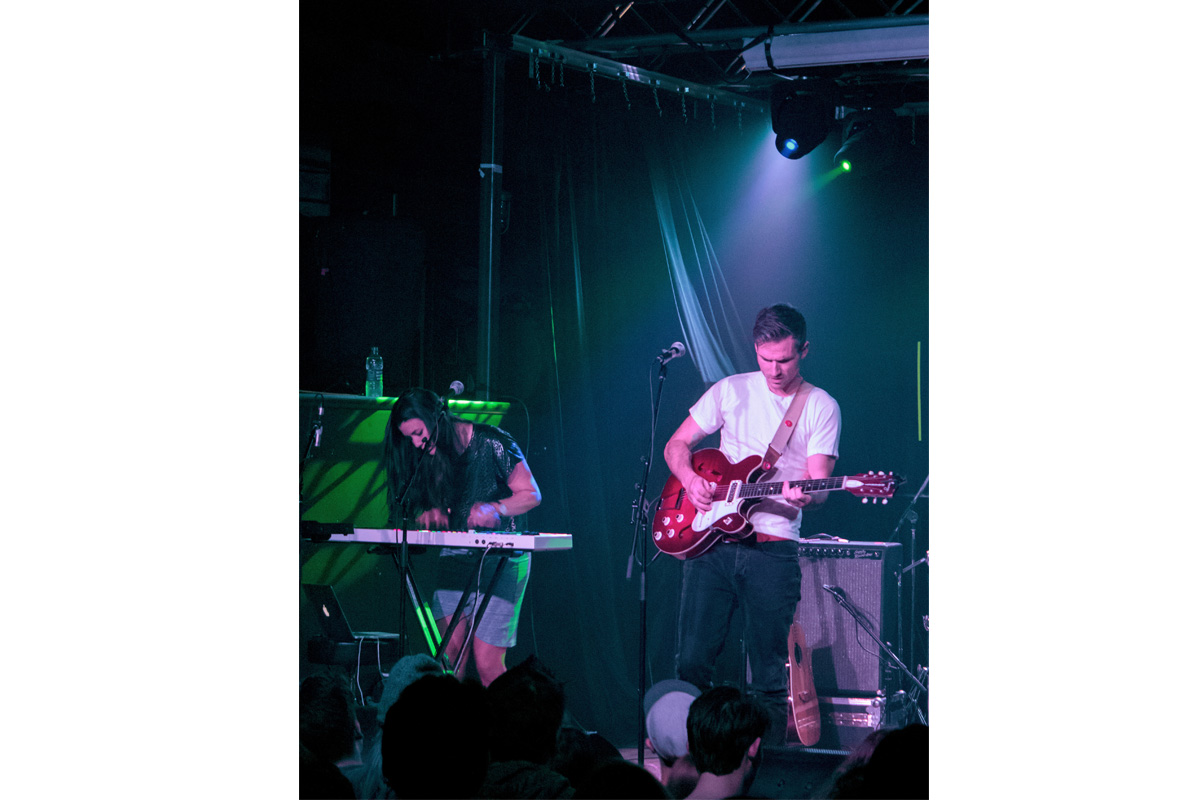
(864, 501)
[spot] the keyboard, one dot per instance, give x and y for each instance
(531, 540)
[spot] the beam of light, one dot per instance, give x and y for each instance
(774, 222)
(767, 211)
(823, 180)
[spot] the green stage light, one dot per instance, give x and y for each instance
(870, 140)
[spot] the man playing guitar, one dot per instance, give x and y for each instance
(760, 572)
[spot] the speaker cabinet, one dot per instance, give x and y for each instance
(846, 661)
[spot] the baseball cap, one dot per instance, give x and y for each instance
(666, 706)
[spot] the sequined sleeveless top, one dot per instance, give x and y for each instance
(487, 463)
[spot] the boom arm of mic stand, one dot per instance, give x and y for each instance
(909, 511)
(308, 448)
(858, 621)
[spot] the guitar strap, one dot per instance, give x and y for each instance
(786, 427)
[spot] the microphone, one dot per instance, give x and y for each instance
(834, 590)
(674, 351)
(456, 388)
(319, 424)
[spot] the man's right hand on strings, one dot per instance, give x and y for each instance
(700, 492)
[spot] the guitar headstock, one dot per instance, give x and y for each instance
(873, 486)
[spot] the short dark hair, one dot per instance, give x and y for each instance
(722, 724)
(327, 717)
(778, 322)
(579, 753)
(528, 704)
(431, 712)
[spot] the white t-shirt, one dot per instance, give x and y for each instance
(748, 413)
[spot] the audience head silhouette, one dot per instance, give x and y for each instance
(403, 674)
(723, 725)
(327, 723)
(579, 753)
(897, 767)
(527, 710)
(435, 739)
(725, 730)
(327, 735)
(620, 780)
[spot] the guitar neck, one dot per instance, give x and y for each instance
(768, 489)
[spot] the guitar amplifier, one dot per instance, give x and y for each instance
(846, 661)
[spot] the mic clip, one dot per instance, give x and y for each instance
(674, 351)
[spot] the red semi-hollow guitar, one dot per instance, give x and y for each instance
(680, 531)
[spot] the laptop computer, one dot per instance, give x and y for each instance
(333, 620)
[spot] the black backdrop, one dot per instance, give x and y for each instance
(584, 303)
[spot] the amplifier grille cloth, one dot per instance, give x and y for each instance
(846, 661)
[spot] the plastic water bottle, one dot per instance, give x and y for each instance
(374, 374)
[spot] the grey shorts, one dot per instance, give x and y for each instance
(457, 567)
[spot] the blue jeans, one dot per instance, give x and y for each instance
(763, 579)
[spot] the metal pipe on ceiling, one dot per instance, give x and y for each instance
(616, 70)
(735, 36)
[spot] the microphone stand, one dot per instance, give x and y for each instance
(638, 520)
(318, 423)
(308, 448)
(404, 571)
(909, 515)
(858, 619)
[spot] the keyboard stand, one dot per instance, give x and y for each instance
(433, 637)
(462, 602)
(397, 541)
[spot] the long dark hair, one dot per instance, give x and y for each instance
(434, 487)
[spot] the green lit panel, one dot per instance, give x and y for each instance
(488, 412)
(344, 480)
(337, 564)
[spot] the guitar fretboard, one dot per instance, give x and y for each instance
(749, 490)
(776, 487)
